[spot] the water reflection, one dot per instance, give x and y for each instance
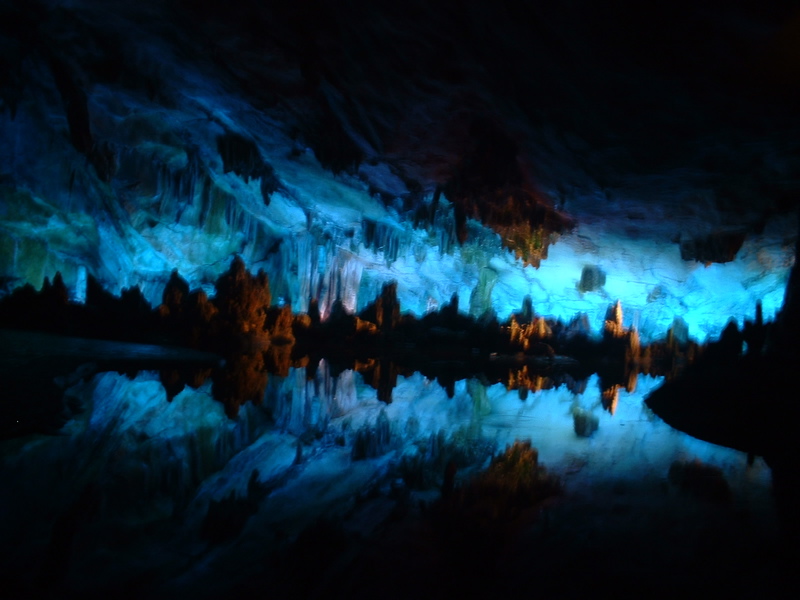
(239, 339)
(274, 431)
(320, 437)
(244, 377)
(36, 381)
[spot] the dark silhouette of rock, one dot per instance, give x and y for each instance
(592, 278)
(59, 549)
(718, 247)
(241, 155)
(226, 518)
(449, 483)
(702, 480)
(373, 440)
(584, 422)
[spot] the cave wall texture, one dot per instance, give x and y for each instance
(493, 150)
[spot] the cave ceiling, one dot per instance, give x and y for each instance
(140, 137)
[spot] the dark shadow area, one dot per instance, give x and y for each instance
(742, 394)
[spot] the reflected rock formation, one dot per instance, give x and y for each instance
(527, 353)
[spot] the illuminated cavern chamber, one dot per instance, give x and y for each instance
(151, 138)
(329, 250)
(186, 184)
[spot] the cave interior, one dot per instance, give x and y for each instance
(364, 298)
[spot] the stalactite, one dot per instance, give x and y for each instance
(241, 155)
(445, 228)
(340, 281)
(385, 238)
(303, 268)
(205, 200)
(350, 277)
(481, 298)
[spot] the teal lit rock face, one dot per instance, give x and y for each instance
(126, 152)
